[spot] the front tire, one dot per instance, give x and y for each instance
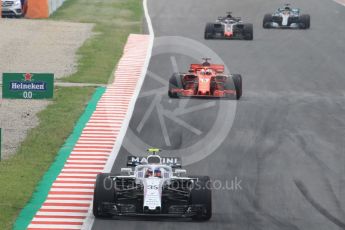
(267, 21)
(209, 31)
(103, 192)
(237, 79)
(175, 82)
(305, 21)
(201, 194)
(248, 31)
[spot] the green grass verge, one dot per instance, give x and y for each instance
(20, 174)
(114, 20)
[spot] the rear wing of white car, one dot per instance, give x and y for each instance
(174, 162)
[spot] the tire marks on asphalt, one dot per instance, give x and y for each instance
(304, 191)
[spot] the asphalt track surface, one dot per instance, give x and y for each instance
(286, 144)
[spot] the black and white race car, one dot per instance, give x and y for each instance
(153, 186)
(229, 27)
(287, 17)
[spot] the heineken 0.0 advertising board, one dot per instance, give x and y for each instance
(27, 85)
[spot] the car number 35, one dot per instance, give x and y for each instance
(153, 187)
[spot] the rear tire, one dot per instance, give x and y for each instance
(175, 82)
(248, 31)
(305, 21)
(237, 79)
(209, 31)
(267, 21)
(102, 194)
(201, 194)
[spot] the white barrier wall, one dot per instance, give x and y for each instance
(54, 5)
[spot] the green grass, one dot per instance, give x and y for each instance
(114, 20)
(20, 174)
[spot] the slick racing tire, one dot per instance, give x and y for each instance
(209, 31)
(237, 79)
(267, 21)
(248, 31)
(175, 82)
(305, 21)
(236, 82)
(201, 194)
(104, 192)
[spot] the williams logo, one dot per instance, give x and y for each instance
(27, 84)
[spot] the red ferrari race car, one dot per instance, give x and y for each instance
(205, 80)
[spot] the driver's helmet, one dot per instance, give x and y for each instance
(158, 173)
(202, 72)
(206, 63)
(208, 72)
(148, 173)
(287, 9)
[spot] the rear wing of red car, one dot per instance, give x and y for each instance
(197, 67)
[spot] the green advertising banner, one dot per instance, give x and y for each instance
(27, 85)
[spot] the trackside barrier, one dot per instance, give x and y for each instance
(42, 8)
(54, 5)
(37, 9)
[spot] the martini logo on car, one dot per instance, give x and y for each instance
(135, 160)
(27, 85)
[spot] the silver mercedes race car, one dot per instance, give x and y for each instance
(287, 17)
(229, 27)
(153, 186)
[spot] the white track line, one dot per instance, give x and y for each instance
(341, 2)
(48, 226)
(77, 214)
(70, 196)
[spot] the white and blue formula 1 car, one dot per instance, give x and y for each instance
(153, 186)
(287, 17)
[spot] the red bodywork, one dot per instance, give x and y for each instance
(228, 34)
(205, 80)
